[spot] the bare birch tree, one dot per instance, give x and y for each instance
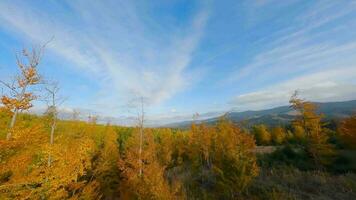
(75, 114)
(137, 104)
(141, 118)
(53, 101)
(93, 119)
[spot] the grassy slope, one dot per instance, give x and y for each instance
(291, 183)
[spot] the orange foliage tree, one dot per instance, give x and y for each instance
(28, 176)
(19, 97)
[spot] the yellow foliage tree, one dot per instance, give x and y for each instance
(262, 136)
(219, 161)
(146, 180)
(347, 132)
(24, 159)
(164, 146)
(298, 133)
(105, 167)
(278, 135)
(317, 145)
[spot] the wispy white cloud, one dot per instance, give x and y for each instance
(315, 54)
(127, 52)
(330, 85)
(261, 3)
(113, 46)
(299, 51)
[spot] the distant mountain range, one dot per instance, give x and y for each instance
(280, 115)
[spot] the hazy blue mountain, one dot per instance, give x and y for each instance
(280, 115)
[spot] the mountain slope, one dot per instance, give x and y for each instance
(281, 115)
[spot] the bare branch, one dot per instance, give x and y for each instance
(12, 88)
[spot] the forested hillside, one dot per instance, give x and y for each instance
(93, 161)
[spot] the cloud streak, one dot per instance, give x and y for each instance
(183, 57)
(304, 56)
(114, 46)
(329, 85)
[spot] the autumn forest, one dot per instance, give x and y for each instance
(177, 100)
(46, 157)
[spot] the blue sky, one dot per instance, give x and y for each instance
(186, 56)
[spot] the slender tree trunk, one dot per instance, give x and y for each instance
(53, 127)
(13, 119)
(141, 137)
(16, 111)
(140, 151)
(49, 159)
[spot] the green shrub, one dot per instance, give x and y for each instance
(4, 177)
(287, 155)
